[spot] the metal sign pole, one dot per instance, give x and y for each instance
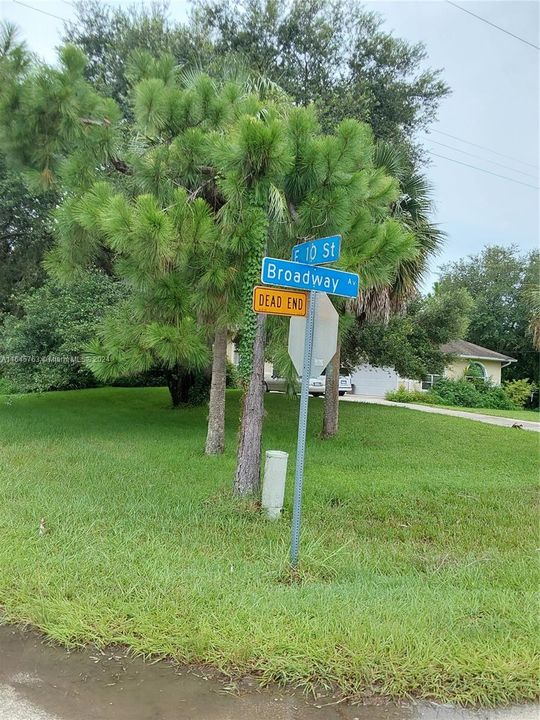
(302, 427)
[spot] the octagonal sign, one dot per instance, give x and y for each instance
(325, 335)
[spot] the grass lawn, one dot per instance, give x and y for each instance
(419, 570)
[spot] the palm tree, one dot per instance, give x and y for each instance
(384, 297)
(532, 298)
(413, 210)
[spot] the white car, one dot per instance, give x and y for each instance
(275, 383)
(317, 386)
(345, 382)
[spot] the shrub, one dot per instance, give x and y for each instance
(472, 393)
(457, 392)
(5, 388)
(233, 380)
(199, 391)
(519, 391)
(464, 393)
(198, 394)
(411, 396)
(497, 399)
(41, 350)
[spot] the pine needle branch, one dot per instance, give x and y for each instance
(92, 121)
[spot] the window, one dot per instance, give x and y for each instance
(429, 381)
(476, 371)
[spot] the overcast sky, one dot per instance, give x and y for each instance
(494, 104)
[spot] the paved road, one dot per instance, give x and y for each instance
(489, 419)
(42, 682)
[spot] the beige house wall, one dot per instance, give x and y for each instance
(408, 384)
(458, 367)
(231, 352)
(456, 370)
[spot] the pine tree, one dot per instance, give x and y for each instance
(340, 190)
(171, 201)
(183, 200)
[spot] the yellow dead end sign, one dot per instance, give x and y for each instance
(279, 302)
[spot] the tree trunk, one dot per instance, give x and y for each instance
(331, 396)
(174, 383)
(215, 437)
(247, 477)
(179, 382)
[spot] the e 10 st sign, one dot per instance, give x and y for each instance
(318, 252)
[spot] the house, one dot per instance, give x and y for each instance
(376, 382)
(489, 362)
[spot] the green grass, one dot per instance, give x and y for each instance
(418, 563)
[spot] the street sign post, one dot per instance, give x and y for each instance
(318, 252)
(325, 333)
(317, 331)
(287, 273)
(302, 429)
(274, 301)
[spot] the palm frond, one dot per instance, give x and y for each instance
(277, 204)
(532, 299)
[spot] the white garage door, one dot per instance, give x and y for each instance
(374, 381)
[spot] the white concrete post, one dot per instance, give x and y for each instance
(275, 472)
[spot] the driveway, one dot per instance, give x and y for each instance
(489, 419)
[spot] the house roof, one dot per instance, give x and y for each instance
(465, 349)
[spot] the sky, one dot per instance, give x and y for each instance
(492, 114)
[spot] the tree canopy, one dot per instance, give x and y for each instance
(183, 195)
(410, 343)
(109, 34)
(502, 282)
(25, 232)
(333, 54)
(25, 235)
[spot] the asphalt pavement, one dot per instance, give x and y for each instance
(40, 681)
